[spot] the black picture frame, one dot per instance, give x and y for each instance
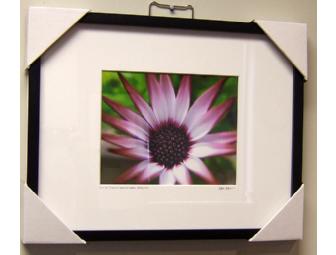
(176, 23)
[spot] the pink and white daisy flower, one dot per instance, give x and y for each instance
(169, 136)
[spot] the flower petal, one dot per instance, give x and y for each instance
(167, 178)
(123, 141)
(132, 172)
(157, 97)
(125, 126)
(183, 99)
(202, 104)
(135, 153)
(209, 120)
(202, 150)
(199, 168)
(168, 91)
(152, 170)
(139, 102)
(226, 136)
(126, 113)
(182, 174)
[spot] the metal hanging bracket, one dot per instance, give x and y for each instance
(171, 8)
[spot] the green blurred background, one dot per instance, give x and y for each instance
(223, 167)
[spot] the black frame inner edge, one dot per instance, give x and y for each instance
(161, 22)
(182, 234)
(33, 125)
(164, 22)
(297, 130)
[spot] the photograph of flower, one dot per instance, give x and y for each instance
(168, 129)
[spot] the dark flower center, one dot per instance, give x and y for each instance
(169, 144)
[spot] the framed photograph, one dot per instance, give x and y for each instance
(167, 142)
(162, 128)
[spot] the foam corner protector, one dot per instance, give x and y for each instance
(291, 39)
(46, 26)
(287, 224)
(41, 225)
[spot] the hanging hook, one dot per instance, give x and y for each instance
(171, 8)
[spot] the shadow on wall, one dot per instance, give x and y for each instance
(208, 247)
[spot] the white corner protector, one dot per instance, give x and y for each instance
(287, 224)
(291, 39)
(40, 225)
(46, 25)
